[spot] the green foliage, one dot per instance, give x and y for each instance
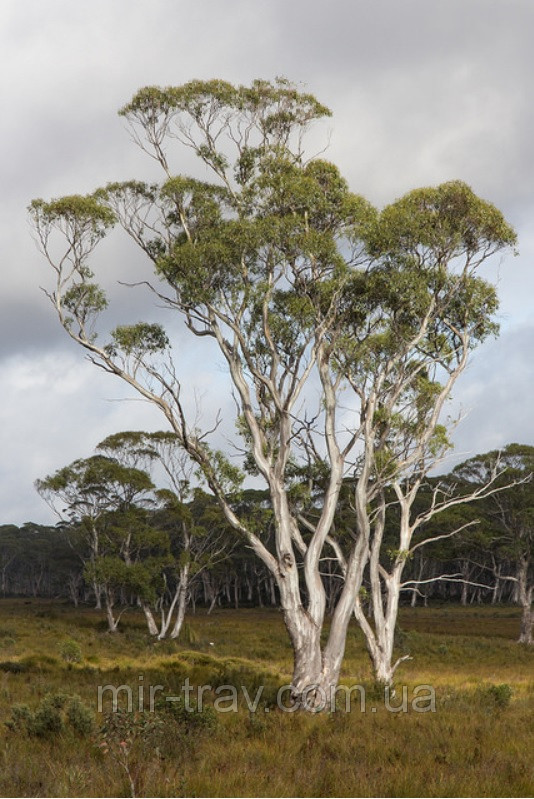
(79, 214)
(440, 224)
(167, 731)
(139, 339)
(70, 651)
(55, 713)
(496, 696)
(277, 105)
(191, 720)
(398, 555)
(229, 477)
(79, 717)
(122, 729)
(84, 300)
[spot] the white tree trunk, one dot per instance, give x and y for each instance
(151, 622)
(182, 601)
(525, 592)
(113, 622)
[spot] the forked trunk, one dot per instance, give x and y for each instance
(113, 622)
(379, 643)
(316, 668)
(179, 602)
(315, 675)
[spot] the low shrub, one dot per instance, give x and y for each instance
(190, 720)
(55, 713)
(496, 696)
(7, 638)
(70, 651)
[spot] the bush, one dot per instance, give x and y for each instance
(79, 717)
(21, 718)
(7, 638)
(496, 696)
(70, 651)
(47, 719)
(55, 713)
(192, 720)
(124, 736)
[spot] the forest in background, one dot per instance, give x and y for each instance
(123, 543)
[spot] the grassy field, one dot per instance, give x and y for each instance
(478, 742)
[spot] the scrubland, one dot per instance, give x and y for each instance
(55, 742)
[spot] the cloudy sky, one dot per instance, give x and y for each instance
(421, 91)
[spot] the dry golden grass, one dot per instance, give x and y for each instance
(470, 746)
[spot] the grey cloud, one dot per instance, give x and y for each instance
(421, 92)
(496, 393)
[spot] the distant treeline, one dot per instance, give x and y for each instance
(479, 566)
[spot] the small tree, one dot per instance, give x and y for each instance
(98, 496)
(511, 515)
(195, 541)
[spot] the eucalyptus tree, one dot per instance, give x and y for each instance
(197, 540)
(98, 496)
(412, 324)
(407, 326)
(511, 516)
(306, 292)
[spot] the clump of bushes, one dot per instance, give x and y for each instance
(55, 713)
(489, 697)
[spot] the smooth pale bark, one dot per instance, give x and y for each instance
(178, 603)
(316, 668)
(496, 587)
(151, 623)
(380, 639)
(182, 601)
(527, 621)
(525, 595)
(113, 622)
